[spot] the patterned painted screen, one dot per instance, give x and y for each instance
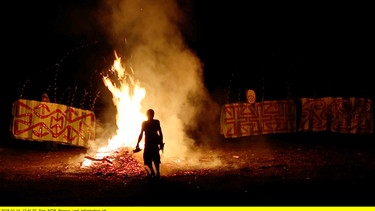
(336, 114)
(44, 121)
(245, 119)
(331, 114)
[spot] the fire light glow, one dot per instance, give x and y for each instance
(127, 97)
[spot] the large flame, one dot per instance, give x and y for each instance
(127, 97)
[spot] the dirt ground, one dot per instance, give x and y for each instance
(302, 169)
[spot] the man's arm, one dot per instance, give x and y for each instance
(161, 141)
(140, 137)
(161, 135)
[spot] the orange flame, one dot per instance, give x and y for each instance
(127, 98)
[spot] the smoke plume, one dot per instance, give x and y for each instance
(148, 36)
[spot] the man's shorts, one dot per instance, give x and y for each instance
(150, 156)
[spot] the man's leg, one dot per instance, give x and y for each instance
(147, 157)
(152, 171)
(157, 167)
(148, 170)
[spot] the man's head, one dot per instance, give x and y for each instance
(150, 113)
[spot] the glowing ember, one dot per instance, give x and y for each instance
(119, 162)
(127, 97)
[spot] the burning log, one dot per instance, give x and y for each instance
(97, 159)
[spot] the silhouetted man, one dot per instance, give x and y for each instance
(153, 143)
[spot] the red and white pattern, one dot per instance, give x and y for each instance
(44, 121)
(342, 115)
(245, 119)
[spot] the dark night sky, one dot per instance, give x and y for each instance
(316, 49)
(306, 43)
(320, 49)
